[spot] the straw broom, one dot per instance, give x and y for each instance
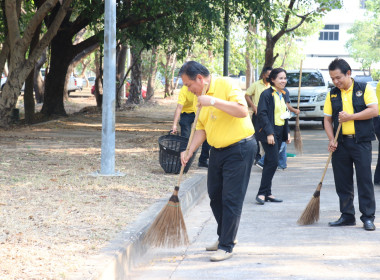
(297, 132)
(169, 229)
(311, 213)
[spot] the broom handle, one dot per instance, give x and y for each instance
(299, 88)
(330, 155)
(191, 136)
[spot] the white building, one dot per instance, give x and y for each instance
(322, 48)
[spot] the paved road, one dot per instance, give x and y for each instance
(271, 244)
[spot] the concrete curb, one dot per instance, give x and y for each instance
(117, 259)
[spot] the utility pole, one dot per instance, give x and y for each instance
(226, 39)
(107, 165)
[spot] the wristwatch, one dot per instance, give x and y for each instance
(212, 101)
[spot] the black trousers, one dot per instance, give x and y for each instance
(376, 177)
(347, 154)
(270, 162)
(227, 181)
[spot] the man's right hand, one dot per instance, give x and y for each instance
(174, 129)
(332, 146)
(255, 110)
(185, 156)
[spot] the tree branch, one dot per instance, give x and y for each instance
(36, 21)
(52, 31)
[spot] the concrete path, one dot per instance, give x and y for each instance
(271, 244)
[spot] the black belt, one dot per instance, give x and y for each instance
(349, 135)
(237, 143)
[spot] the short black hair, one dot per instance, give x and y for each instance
(274, 73)
(341, 64)
(192, 69)
(266, 69)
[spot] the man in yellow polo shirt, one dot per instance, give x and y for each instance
(354, 105)
(225, 122)
(185, 113)
(376, 122)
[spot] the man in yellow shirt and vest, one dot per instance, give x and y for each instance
(354, 105)
(376, 122)
(224, 121)
(185, 113)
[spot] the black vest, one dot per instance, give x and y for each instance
(364, 130)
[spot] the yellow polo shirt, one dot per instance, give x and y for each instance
(279, 107)
(378, 93)
(256, 89)
(221, 128)
(188, 100)
(369, 99)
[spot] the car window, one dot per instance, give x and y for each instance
(309, 79)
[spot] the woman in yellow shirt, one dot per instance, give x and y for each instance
(273, 129)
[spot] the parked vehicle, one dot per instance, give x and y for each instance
(91, 80)
(314, 88)
(373, 84)
(127, 85)
(3, 80)
(180, 82)
(363, 78)
(143, 90)
(241, 80)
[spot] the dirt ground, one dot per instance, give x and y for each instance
(53, 213)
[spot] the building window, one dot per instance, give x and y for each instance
(329, 33)
(362, 4)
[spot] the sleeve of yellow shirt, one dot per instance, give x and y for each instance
(236, 95)
(327, 109)
(251, 89)
(369, 96)
(182, 96)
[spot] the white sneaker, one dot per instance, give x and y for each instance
(220, 255)
(214, 247)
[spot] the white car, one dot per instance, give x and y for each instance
(314, 88)
(3, 81)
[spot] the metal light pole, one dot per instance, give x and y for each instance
(107, 166)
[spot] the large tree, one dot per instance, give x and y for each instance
(21, 62)
(364, 47)
(277, 23)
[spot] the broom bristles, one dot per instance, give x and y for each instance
(168, 229)
(297, 137)
(311, 213)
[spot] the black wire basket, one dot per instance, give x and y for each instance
(171, 147)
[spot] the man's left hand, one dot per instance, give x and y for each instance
(344, 117)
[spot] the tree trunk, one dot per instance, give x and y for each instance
(99, 79)
(152, 74)
(167, 77)
(39, 83)
(173, 65)
(29, 103)
(120, 72)
(135, 96)
(269, 51)
(56, 80)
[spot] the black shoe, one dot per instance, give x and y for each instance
(272, 199)
(377, 184)
(368, 225)
(342, 222)
(259, 200)
(202, 164)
